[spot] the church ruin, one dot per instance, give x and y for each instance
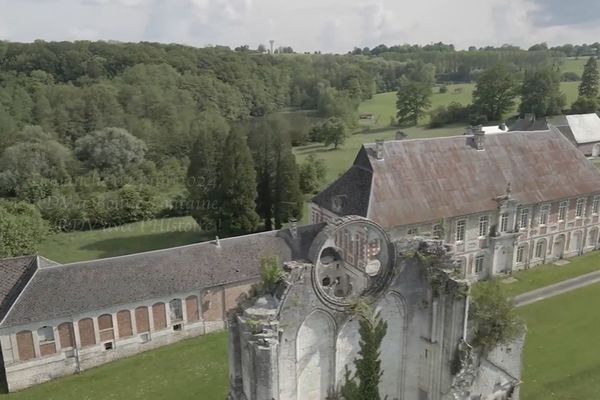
(296, 343)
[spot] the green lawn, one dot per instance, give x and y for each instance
(573, 64)
(544, 275)
(125, 239)
(562, 355)
(192, 369)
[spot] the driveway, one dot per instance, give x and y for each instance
(557, 288)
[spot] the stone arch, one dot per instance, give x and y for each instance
(25, 345)
(191, 308)
(159, 315)
(124, 324)
(558, 248)
(593, 237)
(105, 327)
(87, 333)
(576, 241)
(541, 247)
(346, 349)
(315, 344)
(393, 310)
(501, 260)
(66, 335)
(142, 319)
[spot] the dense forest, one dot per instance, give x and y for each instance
(96, 134)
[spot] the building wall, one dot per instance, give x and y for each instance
(90, 339)
(578, 235)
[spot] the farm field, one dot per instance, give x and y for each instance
(126, 239)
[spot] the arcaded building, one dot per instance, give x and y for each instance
(57, 319)
(501, 201)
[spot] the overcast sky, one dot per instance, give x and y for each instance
(327, 25)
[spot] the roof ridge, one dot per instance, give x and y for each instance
(206, 242)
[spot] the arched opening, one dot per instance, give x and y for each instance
(124, 325)
(315, 356)
(576, 241)
(142, 321)
(558, 248)
(105, 327)
(540, 248)
(159, 316)
(175, 310)
(25, 345)
(66, 335)
(346, 350)
(46, 340)
(392, 359)
(501, 259)
(191, 308)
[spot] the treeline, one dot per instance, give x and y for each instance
(462, 66)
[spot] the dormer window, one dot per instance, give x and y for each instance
(337, 203)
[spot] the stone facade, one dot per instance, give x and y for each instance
(297, 343)
(38, 352)
(494, 233)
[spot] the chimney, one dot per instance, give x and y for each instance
(379, 149)
(293, 228)
(478, 137)
(217, 242)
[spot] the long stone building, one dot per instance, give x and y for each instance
(502, 201)
(57, 319)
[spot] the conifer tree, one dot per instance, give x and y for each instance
(365, 383)
(589, 79)
(234, 195)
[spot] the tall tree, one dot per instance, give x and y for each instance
(372, 330)
(21, 228)
(540, 93)
(234, 211)
(413, 99)
(211, 130)
(278, 187)
(495, 92)
(590, 79)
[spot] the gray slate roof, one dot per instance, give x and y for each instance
(65, 290)
(14, 274)
(425, 180)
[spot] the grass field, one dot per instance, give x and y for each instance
(562, 356)
(125, 239)
(192, 369)
(544, 275)
(573, 64)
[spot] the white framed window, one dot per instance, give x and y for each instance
(460, 230)
(544, 213)
(45, 334)
(412, 231)
(539, 248)
(484, 222)
(437, 231)
(479, 263)
(595, 203)
(504, 223)
(524, 218)
(520, 253)
(579, 207)
(562, 210)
